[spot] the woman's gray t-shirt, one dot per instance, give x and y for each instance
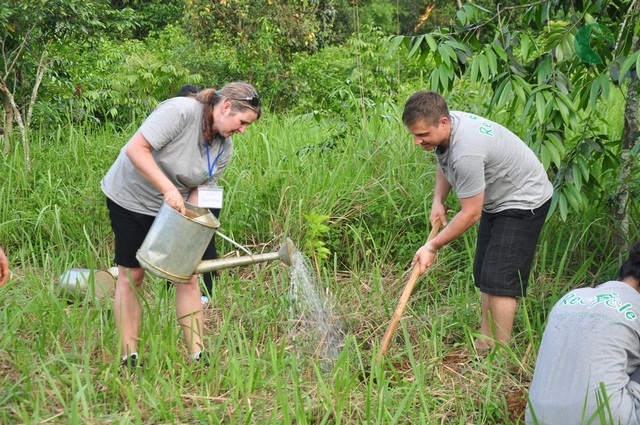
(485, 156)
(174, 130)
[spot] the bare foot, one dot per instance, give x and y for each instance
(483, 344)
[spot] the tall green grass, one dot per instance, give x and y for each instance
(58, 350)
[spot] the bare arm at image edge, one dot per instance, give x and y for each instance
(4, 268)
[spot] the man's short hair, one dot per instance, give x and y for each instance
(428, 106)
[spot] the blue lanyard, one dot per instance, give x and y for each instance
(215, 161)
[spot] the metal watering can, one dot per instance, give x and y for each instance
(174, 246)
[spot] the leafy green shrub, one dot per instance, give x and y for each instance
(117, 81)
(354, 76)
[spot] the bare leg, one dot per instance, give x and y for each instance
(189, 312)
(498, 313)
(127, 308)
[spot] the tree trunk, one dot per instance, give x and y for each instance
(14, 111)
(7, 124)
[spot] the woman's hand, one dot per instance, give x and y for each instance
(174, 199)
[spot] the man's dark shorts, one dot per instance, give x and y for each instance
(505, 249)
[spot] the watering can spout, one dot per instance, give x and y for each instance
(286, 254)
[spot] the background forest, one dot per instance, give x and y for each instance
(331, 166)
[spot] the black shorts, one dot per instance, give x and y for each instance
(505, 249)
(130, 229)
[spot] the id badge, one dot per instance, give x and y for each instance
(210, 196)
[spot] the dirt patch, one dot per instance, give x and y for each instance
(517, 402)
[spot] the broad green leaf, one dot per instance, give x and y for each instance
(500, 51)
(484, 68)
(583, 168)
(394, 43)
(416, 42)
(577, 176)
(553, 138)
(605, 85)
(462, 17)
(521, 87)
(609, 163)
(456, 45)
(562, 109)
(470, 10)
(554, 205)
(595, 145)
(493, 61)
(540, 107)
(566, 100)
(554, 37)
(545, 158)
(444, 54)
(544, 70)
(573, 196)
(528, 105)
(559, 54)
(431, 42)
(554, 154)
(594, 93)
(505, 93)
(567, 46)
(583, 42)
(435, 80)
(525, 45)
(628, 64)
(473, 72)
(446, 76)
(542, 88)
(521, 82)
(520, 92)
(562, 206)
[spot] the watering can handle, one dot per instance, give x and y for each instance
(404, 298)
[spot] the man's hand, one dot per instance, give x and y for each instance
(424, 258)
(438, 213)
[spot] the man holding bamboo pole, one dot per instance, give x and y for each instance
(498, 181)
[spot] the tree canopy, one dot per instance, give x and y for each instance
(552, 68)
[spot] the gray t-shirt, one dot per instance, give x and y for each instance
(174, 130)
(592, 337)
(485, 156)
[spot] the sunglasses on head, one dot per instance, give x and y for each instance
(251, 100)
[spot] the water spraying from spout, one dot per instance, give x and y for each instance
(286, 254)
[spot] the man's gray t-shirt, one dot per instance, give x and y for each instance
(592, 337)
(485, 156)
(174, 130)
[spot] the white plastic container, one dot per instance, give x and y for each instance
(98, 283)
